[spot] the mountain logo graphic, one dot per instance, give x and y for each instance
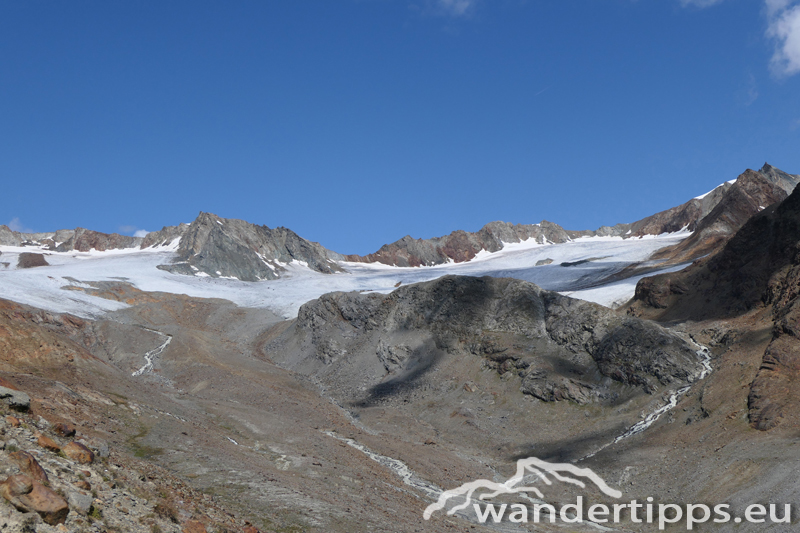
(540, 470)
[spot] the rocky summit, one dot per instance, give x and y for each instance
(219, 247)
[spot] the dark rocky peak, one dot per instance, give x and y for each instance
(219, 247)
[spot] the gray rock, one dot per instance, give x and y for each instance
(80, 503)
(15, 399)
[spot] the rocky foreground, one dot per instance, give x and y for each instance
(55, 479)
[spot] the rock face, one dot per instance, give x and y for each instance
(561, 348)
(758, 268)
(218, 247)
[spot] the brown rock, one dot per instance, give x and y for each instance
(64, 430)
(30, 260)
(30, 467)
(15, 486)
(13, 421)
(48, 444)
(193, 526)
(28, 496)
(78, 452)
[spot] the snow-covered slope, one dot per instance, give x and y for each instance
(576, 268)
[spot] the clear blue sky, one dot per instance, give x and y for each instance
(356, 122)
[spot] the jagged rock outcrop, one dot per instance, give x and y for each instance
(561, 348)
(219, 247)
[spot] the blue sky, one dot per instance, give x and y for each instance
(356, 122)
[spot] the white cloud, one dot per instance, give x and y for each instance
(774, 6)
(783, 18)
(457, 7)
(16, 225)
(134, 230)
(447, 8)
(699, 3)
(784, 28)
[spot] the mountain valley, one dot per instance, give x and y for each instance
(231, 377)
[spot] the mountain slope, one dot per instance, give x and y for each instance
(758, 271)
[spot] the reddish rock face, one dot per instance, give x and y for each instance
(29, 466)
(28, 496)
(78, 452)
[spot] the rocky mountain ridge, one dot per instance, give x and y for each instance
(719, 212)
(216, 247)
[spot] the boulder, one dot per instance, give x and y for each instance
(47, 443)
(78, 452)
(29, 466)
(28, 496)
(81, 503)
(16, 399)
(64, 430)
